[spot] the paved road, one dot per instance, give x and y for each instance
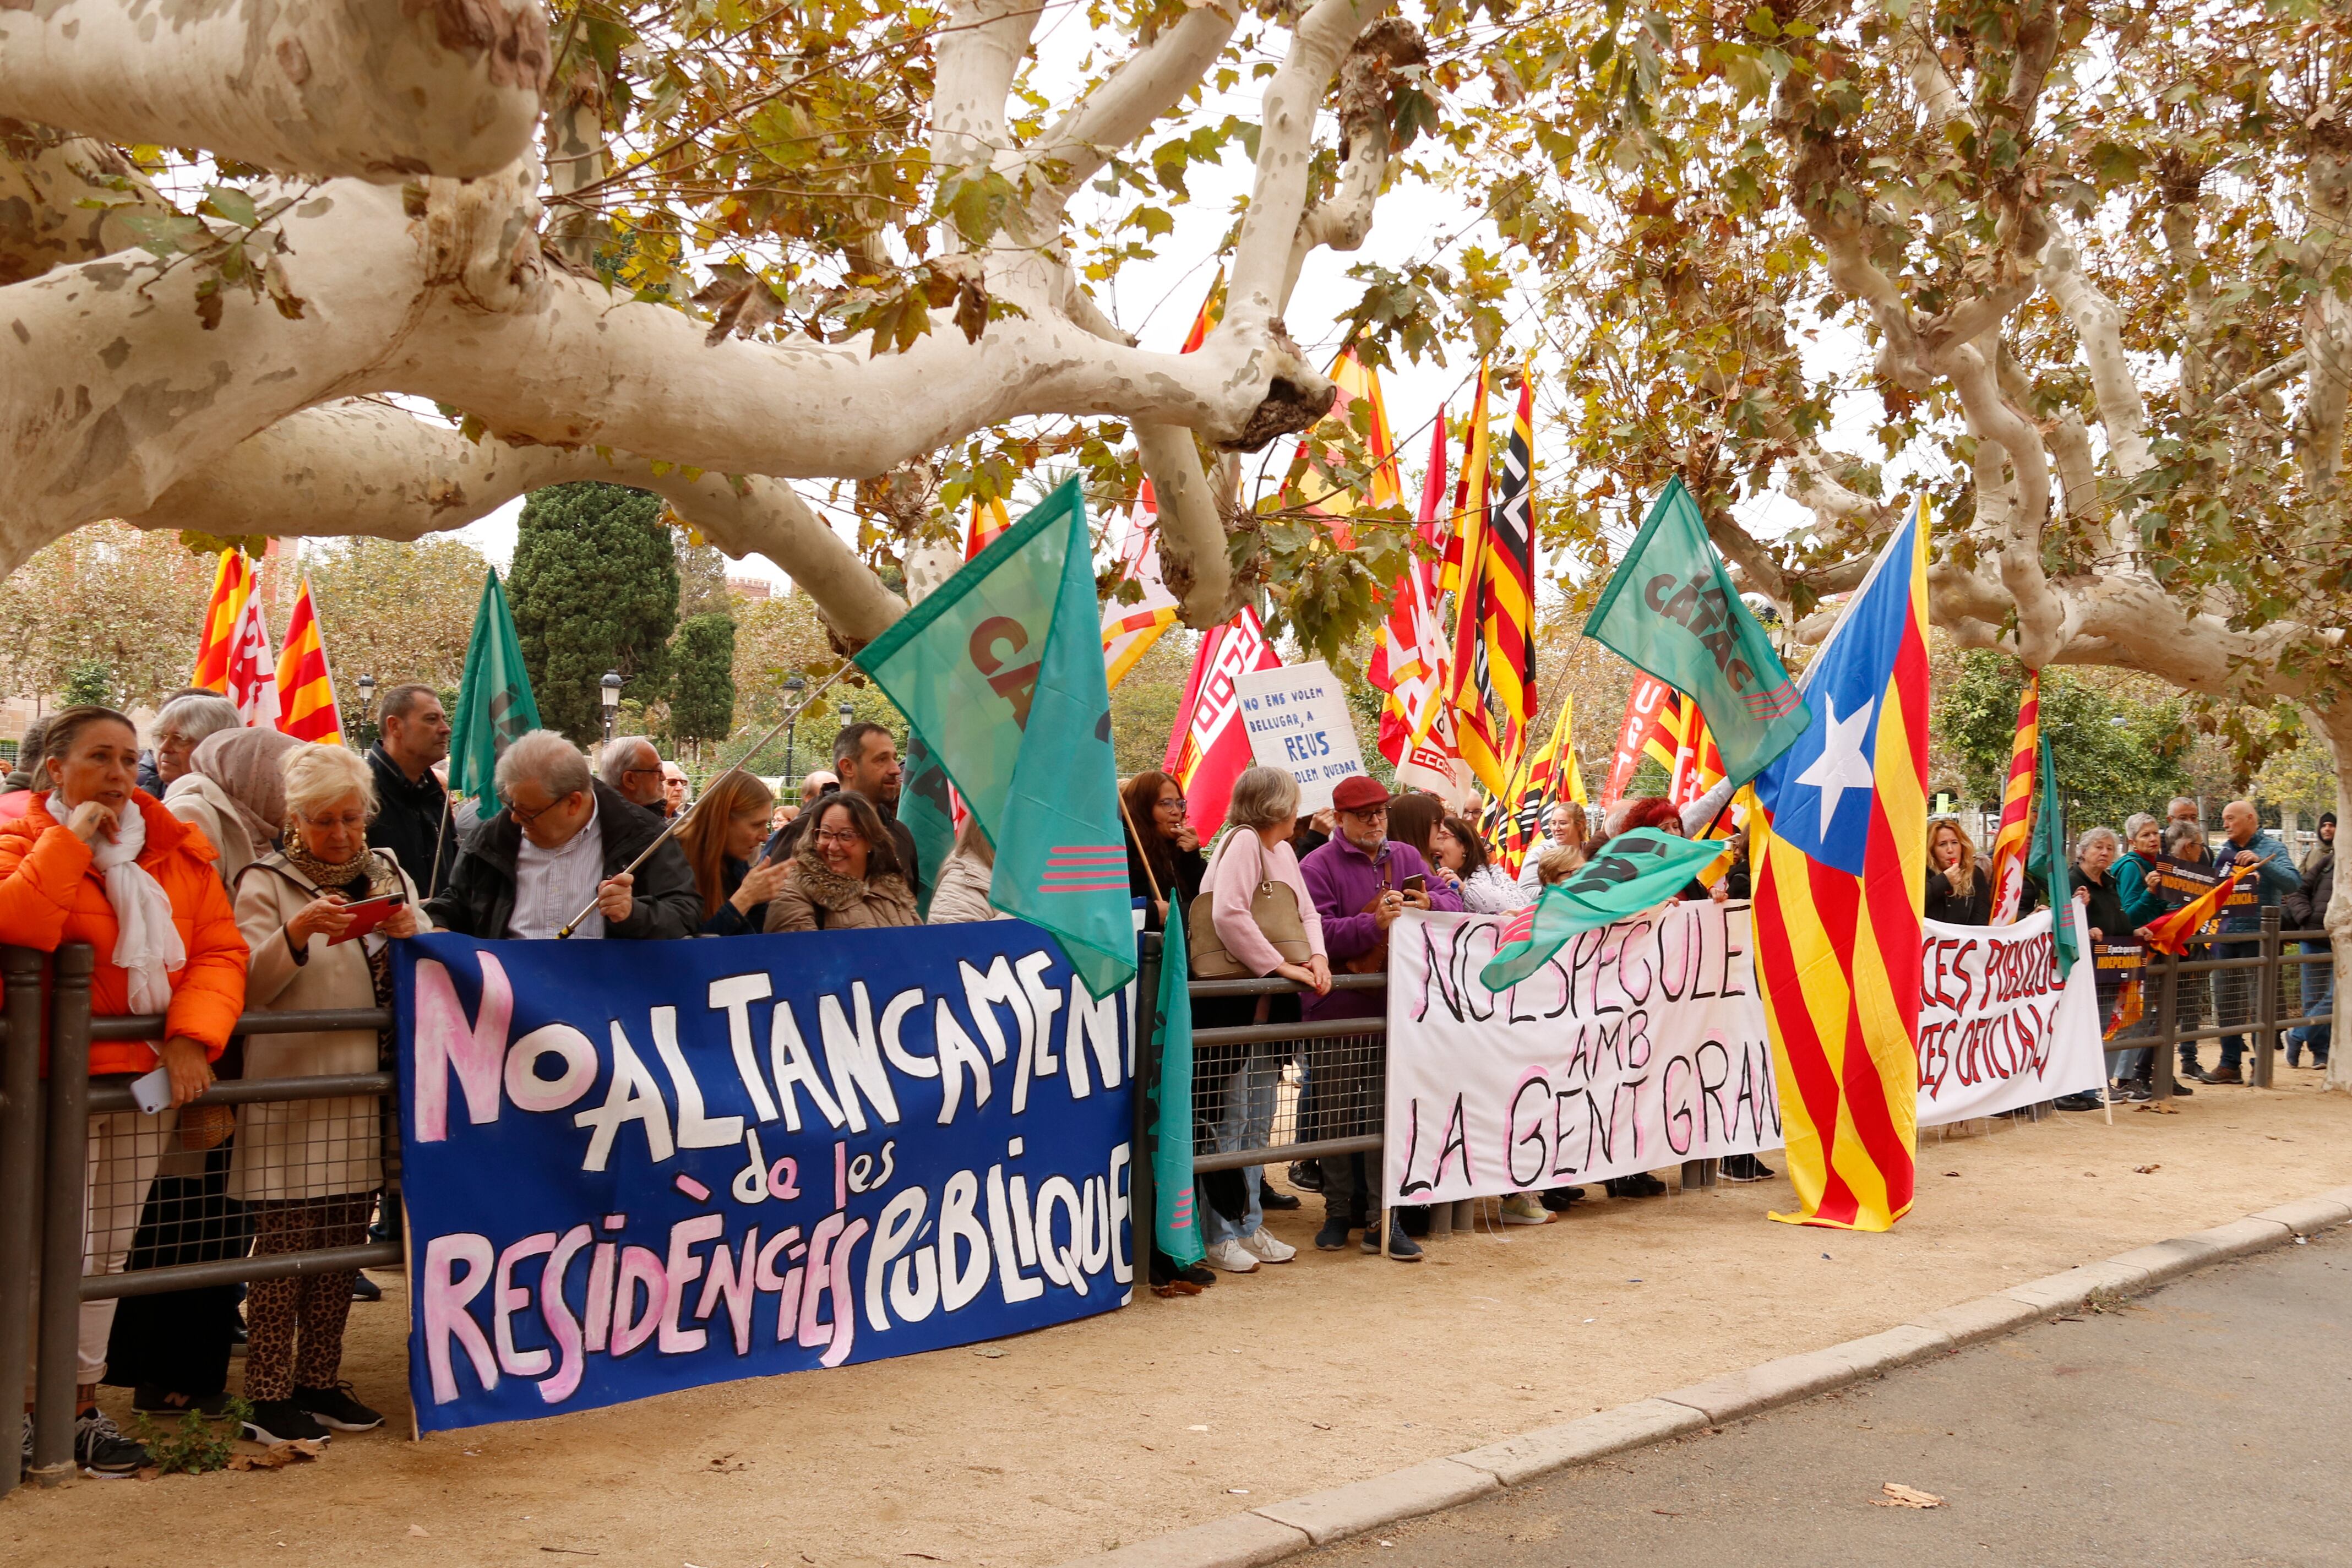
(2208, 1423)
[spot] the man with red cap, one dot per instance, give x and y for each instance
(1358, 882)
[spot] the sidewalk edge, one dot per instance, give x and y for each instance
(1279, 1530)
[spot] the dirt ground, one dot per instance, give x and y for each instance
(1323, 1371)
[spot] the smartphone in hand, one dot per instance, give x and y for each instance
(1416, 883)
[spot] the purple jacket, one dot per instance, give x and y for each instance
(1342, 879)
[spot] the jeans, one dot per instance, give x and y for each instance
(2233, 997)
(2318, 996)
(1247, 1123)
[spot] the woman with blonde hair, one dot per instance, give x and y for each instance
(722, 841)
(308, 1169)
(1959, 892)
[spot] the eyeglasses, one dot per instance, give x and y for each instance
(350, 822)
(1167, 803)
(525, 819)
(841, 836)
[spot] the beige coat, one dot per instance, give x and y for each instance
(880, 901)
(205, 807)
(962, 893)
(304, 1148)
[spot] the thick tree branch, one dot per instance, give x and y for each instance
(2019, 515)
(378, 472)
(2098, 327)
(979, 55)
(1149, 83)
(366, 88)
(1367, 111)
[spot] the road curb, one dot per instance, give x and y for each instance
(1279, 1530)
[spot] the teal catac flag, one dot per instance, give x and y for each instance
(494, 700)
(1175, 1221)
(2050, 864)
(1000, 671)
(1637, 870)
(1671, 610)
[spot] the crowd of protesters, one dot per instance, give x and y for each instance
(222, 868)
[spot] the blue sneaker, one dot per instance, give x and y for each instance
(1333, 1236)
(1402, 1248)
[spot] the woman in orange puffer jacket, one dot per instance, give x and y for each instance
(96, 859)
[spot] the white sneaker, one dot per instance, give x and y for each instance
(1525, 1209)
(1264, 1246)
(1232, 1257)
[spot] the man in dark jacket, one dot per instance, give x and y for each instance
(410, 802)
(2307, 909)
(562, 844)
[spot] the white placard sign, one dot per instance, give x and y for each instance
(1298, 720)
(1997, 1030)
(1640, 1045)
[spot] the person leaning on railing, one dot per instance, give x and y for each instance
(2307, 910)
(97, 860)
(309, 1168)
(2270, 876)
(1261, 921)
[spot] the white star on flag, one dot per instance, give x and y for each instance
(1841, 766)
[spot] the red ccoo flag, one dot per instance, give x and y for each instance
(1210, 746)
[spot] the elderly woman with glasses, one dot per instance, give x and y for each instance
(308, 1168)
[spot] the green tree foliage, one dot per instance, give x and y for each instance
(132, 602)
(2117, 751)
(397, 611)
(594, 587)
(701, 580)
(90, 681)
(702, 687)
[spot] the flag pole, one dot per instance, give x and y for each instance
(440, 836)
(1140, 853)
(683, 818)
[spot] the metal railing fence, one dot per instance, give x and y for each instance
(49, 1213)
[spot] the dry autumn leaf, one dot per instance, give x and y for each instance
(1900, 1496)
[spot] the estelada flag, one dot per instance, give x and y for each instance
(232, 585)
(2006, 865)
(2170, 933)
(1210, 746)
(251, 676)
(306, 691)
(1839, 850)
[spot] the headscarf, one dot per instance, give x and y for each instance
(147, 945)
(245, 764)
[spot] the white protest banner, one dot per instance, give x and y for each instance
(1639, 1045)
(1996, 1029)
(1297, 715)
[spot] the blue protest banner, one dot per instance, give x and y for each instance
(633, 1167)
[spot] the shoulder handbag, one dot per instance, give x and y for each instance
(1274, 909)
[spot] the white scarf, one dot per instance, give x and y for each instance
(147, 945)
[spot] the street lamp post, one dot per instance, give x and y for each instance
(609, 693)
(794, 684)
(367, 702)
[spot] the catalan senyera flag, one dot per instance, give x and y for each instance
(1550, 774)
(1130, 630)
(989, 518)
(251, 676)
(2006, 864)
(306, 690)
(2170, 933)
(1210, 747)
(1383, 487)
(1494, 676)
(1838, 851)
(232, 585)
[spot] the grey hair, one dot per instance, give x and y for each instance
(2136, 822)
(2180, 833)
(617, 757)
(2092, 836)
(1262, 797)
(318, 775)
(193, 717)
(546, 758)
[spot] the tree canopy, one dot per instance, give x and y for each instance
(593, 588)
